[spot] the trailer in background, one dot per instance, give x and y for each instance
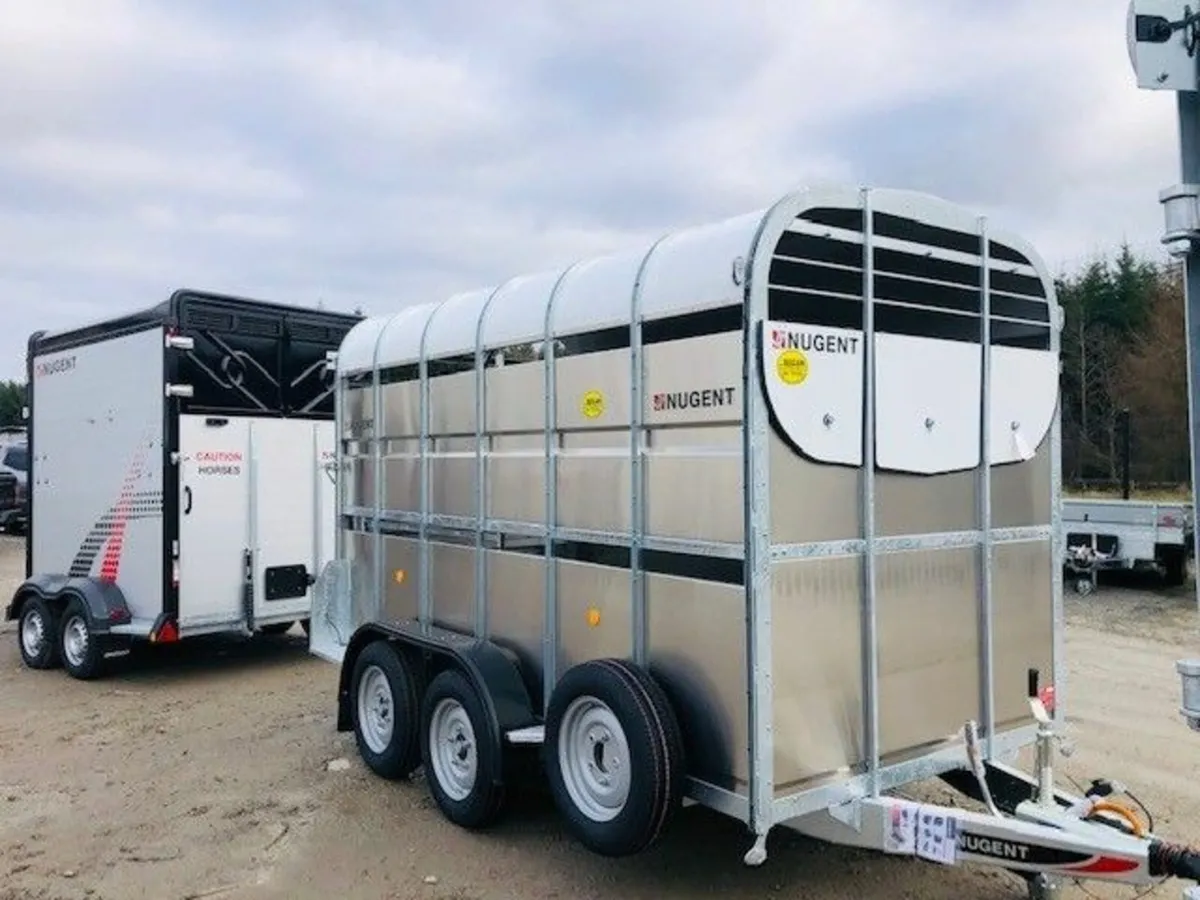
(764, 515)
(1133, 535)
(178, 479)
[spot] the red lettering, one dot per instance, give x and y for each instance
(219, 456)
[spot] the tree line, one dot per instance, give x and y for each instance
(12, 402)
(1123, 348)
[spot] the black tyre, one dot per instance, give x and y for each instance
(463, 768)
(1174, 563)
(79, 646)
(37, 635)
(276, 628)
(385, 711)
(613, 756)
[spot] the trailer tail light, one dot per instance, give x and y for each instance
(1046, 695)
(166, 633)
(1168, 521)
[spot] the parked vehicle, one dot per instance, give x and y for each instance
(1126, 534)
(178, 482)
(745, 517)
(12, 506)
(14, 461)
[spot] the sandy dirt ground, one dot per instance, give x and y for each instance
(203, 772)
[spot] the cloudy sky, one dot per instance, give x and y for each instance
(374, 153)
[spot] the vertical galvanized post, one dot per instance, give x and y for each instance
(756, 524)
(984, 491)
(424, 599)
(1188, 105)
(377, 464)
(481, 467)
(550, 441)
(1057, 538)
(870, 620)
(637, 496)
(481, 623)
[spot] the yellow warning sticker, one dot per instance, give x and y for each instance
(592, 406)
(792, 367)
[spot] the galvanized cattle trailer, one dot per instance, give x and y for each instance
(178, 476)
(746, 516)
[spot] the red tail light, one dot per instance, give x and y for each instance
(168, 633)
(1046, 695)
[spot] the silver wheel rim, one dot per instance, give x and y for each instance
(75, 640)
(453, 751)
(33, 634)
(376, 709)
(593, 757)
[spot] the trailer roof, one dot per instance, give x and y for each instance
(707, 267)
(166, 311)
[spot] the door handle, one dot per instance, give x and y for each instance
(187, 496)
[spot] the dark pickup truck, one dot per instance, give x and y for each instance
(12, 504)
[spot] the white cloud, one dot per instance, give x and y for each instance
(379, 154)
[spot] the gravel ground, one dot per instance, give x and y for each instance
(202, 772)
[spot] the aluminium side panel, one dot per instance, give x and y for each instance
(97, 480)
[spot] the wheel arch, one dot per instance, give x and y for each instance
(492, 671)
(103, 600)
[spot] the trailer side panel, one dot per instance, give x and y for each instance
(96, 483)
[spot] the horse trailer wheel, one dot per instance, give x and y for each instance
(463, 767)
(80, 648)
(37, 635)
(385, 711)
(614, 757)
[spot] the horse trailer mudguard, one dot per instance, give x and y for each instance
(802, 466)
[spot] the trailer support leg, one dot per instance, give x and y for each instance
(1045, 887)
(757, 854)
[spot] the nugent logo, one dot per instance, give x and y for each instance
(710, 397)
(47, 367)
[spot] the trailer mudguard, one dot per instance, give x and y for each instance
(492, 671)
(103, 600)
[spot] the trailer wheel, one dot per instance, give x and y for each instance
(1174, 563)
(37, 635)
(79, 646)
(385, 711)
(614, 757)
(462, 766)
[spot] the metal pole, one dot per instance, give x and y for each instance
(1126, 454)
(1189, 152)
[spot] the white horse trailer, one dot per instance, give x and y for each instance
(749, 517)
(180, 476)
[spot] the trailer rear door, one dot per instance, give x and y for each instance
(214, 508)
(252, 484)
(293, 513)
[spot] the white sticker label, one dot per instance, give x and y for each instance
(937, 835)
(901, 834)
